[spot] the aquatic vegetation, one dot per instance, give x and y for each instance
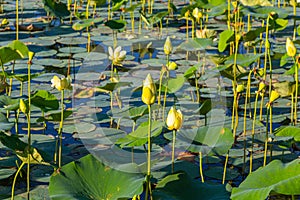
(149, 100)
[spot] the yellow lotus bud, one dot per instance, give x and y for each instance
(261, 86)
(274, 95)
(30, 56)
(168, 46)
(4, 22)
(198, 15)
(240, 88)
(234, 3)
(290, 47)
(149, 91)
(23, 106)
(174, 119)
(172, 66)
(187, 14)
(268, 46)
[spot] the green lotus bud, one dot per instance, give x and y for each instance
(174, 119)
(149, 91)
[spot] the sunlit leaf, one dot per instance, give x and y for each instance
(276, 176)
(88, 178)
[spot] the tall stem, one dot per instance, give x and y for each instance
(253, 132)
(148, 183)
(173, 149)
(200, 167)
(60, 128)
(17, 19)
(29, 131)
(296, 93)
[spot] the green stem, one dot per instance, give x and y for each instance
(60, 129)
(29, 130)
(267, 136)
(253, 132)
(200, 167)
(173, 149)
(148, 183)
(296, 94)
(165, 95)
(17, 19)
(15, 179)
(225, 167)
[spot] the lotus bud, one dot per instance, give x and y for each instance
(24, 107)
(261, 86)
(290, 48)
(198, 15)
(240, 88)
(4, 22)
(174, 119)
(149, 91)
(30, 56)
(235, 4)
(172, 66)
(168, 46)
(187, 14)
(274, 95)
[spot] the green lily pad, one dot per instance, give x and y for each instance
(180, 186)
(88, 178)
(276, 176)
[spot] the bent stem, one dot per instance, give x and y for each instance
(148, 183)
(15, 179)
(173, 149)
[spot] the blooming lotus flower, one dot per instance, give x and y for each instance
(116, 56)
(290, 47)
(149, 91)
(61, 84)
(205, 33)
(174, 119)
(168, 46)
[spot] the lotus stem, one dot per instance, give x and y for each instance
(253, 132)
(296, 93)
(17, 19)
(173, 149)
(200, 167)
(267, 136)
(228, 14)
(295, 14)
(225, 167)
(148, 183)
(197, 87)
(165, 95)
(14, 181)
(60, 128)
(160, 85)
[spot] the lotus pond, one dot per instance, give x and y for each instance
(169, 100)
